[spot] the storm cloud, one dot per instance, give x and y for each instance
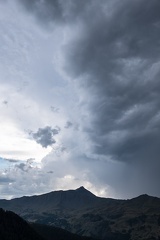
(116, 61)
(45, 136)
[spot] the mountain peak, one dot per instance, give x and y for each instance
(142, 197)
(83, 192)
(81, 189)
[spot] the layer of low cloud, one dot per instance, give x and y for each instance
(10, 160)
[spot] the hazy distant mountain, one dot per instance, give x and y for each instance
(81, 212)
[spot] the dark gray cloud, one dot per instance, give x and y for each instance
(54, 109)
(30, 160)
(5, 102)
(50, 172)
(116, 61)
(45, 136)
(58, 11)
(10, 160)
(25, 166)
(68, 124)
(120, 57)
(5, 180)
(22, 167)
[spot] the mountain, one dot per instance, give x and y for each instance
(81, 212)
(71, 199)
(12, 227)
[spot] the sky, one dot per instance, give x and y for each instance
(80, 97)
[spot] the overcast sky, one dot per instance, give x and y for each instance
(80, 97)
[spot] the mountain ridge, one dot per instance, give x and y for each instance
(79, 189)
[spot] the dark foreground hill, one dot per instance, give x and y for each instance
(53, 233)
(12, 227)
(81, 212)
